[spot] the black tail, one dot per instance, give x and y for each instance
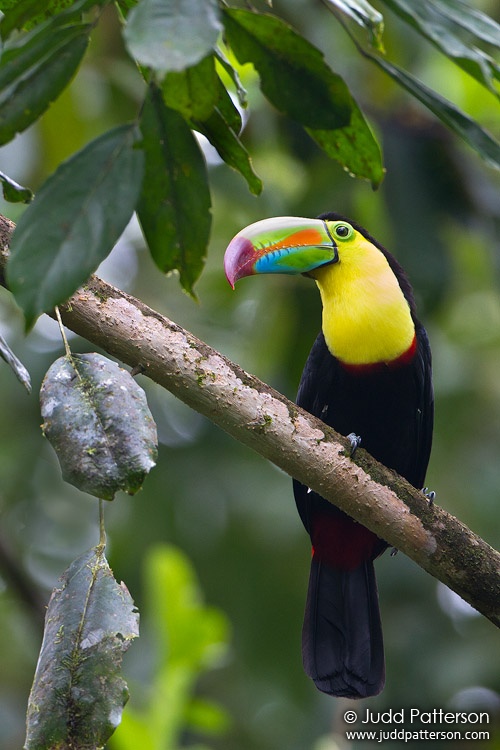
(342, 646)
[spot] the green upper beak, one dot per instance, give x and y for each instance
(285, 244)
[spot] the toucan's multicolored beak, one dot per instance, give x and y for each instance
(285, 244)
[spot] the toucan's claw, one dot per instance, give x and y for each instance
(394, 552)
(430, 495)
(355, 442)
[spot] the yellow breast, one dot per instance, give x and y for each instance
(366, 318)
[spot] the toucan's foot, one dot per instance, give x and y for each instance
(355, 442)
(430, 495)
(394, 552)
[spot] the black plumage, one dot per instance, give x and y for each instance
(391, 407)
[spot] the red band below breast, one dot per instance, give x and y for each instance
(403, 359)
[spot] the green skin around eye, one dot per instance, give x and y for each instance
(342, 231)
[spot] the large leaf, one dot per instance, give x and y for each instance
(194, 91)
(34, 69)
(97, 419)
(296, 79)
(74, 221)
(222, 128)
(293, 73)
(456, 120)
(227, 108)
(78, 693)
(172, 34)
(174, 206)
(454, 35)
(354, 147)
(472, 133)
(230, 148)
(202, 99)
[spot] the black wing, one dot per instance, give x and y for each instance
(319, 380)
(425, 412)
(390, 408)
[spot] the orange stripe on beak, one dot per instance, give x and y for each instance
(302, 238)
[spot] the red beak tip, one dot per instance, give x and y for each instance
(238, 260)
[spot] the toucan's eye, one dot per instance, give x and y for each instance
(343, 231)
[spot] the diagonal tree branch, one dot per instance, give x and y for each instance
(298, 443)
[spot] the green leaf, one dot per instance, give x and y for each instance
(190, 637)
(294, 76)
(222, 136)
(13, 192)
(34, 69)
(455, 37)
(194, 91)
(200, 96)
(297, 81)
(28, 13)
(172, 34)
(97, 419)
(233, 75)
(18, 12)
(227, 108)
(208, 717)
(125, 5)
(354, 146)
(197, 634)
(469, 130)
(202, 99)
(471, 19)
(15, 364)
(74, 221)
(78, 693)
(365, 15)
(174, 206)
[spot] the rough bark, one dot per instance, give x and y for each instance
(300, 444)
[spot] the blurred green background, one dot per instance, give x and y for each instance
(228, 510)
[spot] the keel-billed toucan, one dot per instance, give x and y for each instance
(368, 373)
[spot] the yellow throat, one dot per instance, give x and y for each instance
(366, 318)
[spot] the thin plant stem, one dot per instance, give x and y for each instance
(102, 530)
(63, 334)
